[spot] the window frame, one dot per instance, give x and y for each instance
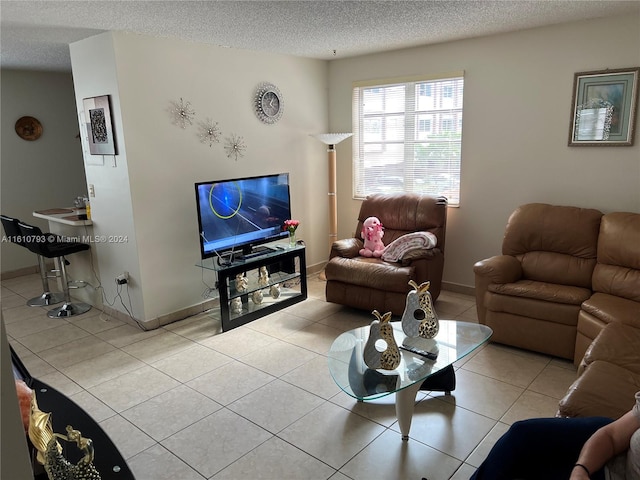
(439, 90)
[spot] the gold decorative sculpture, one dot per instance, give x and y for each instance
(40, 430)
(59, 468)
(50, 452)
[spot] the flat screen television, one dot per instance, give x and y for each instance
(237, 214)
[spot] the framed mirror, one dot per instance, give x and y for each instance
(604, 108)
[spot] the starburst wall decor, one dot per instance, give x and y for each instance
(209, 132)
(234, 146)
(182, 113)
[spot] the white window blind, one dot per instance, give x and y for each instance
(408, 136)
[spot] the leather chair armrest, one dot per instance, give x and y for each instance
(346, 248)
(414, 255)
(499, 269)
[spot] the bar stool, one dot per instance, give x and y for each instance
(12, 230)
(46, 246)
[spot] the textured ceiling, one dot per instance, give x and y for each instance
(36, 34)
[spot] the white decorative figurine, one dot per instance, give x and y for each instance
(275, 290)
(236, 305)
(263, 277)
(381, 329)
(419, 318)
(257, 297)
(242, 283)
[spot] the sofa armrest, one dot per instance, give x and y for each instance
(346, 248)
(499, 269)
(423, 253)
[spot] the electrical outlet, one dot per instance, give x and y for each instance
(92, 190)
(123, 278)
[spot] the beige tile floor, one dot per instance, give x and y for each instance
(189, 402)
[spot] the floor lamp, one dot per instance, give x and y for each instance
(332, 139)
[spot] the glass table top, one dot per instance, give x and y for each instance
(454, 341)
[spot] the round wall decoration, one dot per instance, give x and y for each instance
(28, 128)
(269, 103)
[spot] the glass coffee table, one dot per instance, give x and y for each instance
(454, 341)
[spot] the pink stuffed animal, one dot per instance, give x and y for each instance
(372, 233)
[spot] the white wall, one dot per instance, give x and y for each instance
(517, 105)
(149, 195)
(39, 174)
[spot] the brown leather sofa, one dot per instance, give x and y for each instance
(539, 295)
(371, 283)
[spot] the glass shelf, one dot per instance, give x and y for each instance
(285, 267)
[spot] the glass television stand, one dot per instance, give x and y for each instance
(251, 287)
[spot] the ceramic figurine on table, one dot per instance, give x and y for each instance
(236, 305)
(242, 283)
(381, 329)
(257, 297)
(275, 290)
(263, 277)
(419, 318)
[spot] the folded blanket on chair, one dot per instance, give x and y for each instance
(408, 243)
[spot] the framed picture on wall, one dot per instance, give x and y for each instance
(605, 107)
(97, 114)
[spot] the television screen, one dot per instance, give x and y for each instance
(234, 215)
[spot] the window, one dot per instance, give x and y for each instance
(408, 137)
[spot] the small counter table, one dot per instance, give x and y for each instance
(65, 222)
(64, 216)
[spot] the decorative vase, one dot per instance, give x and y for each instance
(419, 318)
(381, 330)
(292, 238)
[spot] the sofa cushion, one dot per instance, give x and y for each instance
(619, 240)
(539, 231)
(548, 292)
(564, 313)
(618, 269)
(372, 273)
(617, 343)
(617, 280)
(609, 308)
(557, 268)
(409, 212)
(604, 389)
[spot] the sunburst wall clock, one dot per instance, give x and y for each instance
(268, 103)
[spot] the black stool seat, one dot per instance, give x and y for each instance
(14, 235)
(47, 245)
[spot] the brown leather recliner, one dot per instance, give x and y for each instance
(531, 294)
(371, 283)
